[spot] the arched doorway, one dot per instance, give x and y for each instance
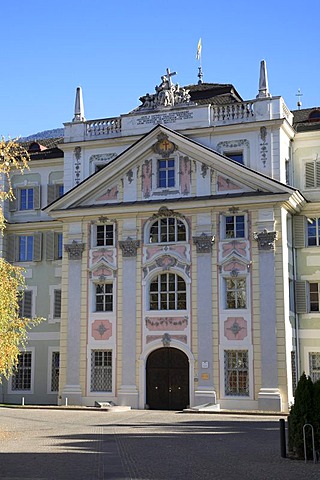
(167, 379)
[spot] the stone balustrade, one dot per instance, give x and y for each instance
(247, 111)
(106, 127)
(233, 112)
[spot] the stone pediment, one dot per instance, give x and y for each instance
(131, 176)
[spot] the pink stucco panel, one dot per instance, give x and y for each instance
(102, 253)
(111, 194)
(234, 246)
(147, 178)
(225, 184)
(235, 328)
(101, 330)
(185, 175)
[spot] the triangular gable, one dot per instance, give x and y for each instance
(104, 186)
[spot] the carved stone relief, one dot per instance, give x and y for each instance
(129, 247)
(77, 165)
(74, 250)
(203, 243)
(266, 240)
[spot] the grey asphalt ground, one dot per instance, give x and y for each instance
(52, 444)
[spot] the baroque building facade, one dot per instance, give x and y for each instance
(173, 252)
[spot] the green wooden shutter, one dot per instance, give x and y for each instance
(37, 247)
(13, 204)
(317, 174)
(310, 174)
(57, 304)
(51, 194)
(12, 253)
(36, 198)
(50, 245)
(301, 296)
(299, 233)
(27, 304)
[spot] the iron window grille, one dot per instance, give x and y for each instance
(21, 379)
(236, 373)
(101, 371)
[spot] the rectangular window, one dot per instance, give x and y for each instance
(25, 304)
(236, 372)
(313, 231)
(21, 379)
(234, 226)
(105, 235)
(314, 297)
(235, 292)
(55, 364)
(166, 173)
(26, 199)
(314, 366)
(236, 156)
(25, 248)
(101, 371)
(59, 246)
(104, 297)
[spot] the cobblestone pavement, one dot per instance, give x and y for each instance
(52, 444)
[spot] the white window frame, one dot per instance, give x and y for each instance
(146, 292)
(155, 178)
(317, 226)
(225, 296)
(94, 294)
(33, 362)
(223, 225)
(249, 376)
(51, 350)
(27, 189)
(177, 219)
(94, 235)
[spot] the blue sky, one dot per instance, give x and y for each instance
(117, 51)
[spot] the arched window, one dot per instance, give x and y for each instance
(168, 292)
(166, 230)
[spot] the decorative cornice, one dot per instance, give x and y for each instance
(165, 212)
(74, 250)
(129, 247)
(266, 240)
(203, 243)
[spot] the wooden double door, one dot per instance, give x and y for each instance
(167, 379)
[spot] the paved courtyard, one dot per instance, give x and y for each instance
(148, 445)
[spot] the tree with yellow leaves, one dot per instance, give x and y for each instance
(13, 329)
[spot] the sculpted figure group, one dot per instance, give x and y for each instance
(167, 95)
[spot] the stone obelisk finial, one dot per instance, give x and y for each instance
(263, 81)
(78, 107)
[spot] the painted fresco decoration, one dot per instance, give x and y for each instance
(110, 194)
(166, 323)
(225, 184)
(147, 178)
(185, 175)
(234, 246)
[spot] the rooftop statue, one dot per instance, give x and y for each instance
(167, 94)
